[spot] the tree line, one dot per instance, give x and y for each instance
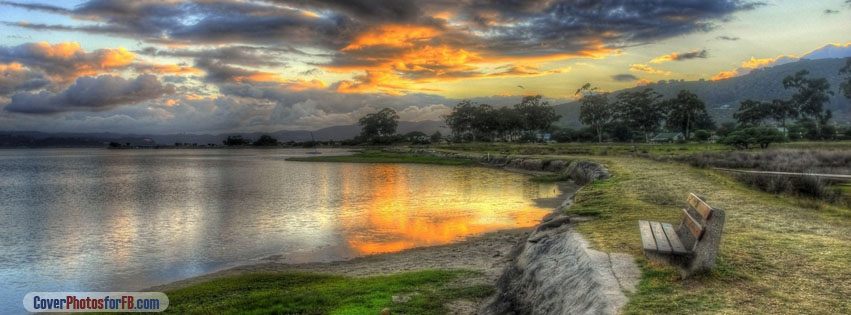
(528, 120)
(633, 115)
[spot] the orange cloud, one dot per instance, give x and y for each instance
(643, 82)
(375, 81)
(16, 67)
(398, 57)
(754, 63)
(65, 62)
(393, 36)
(724, 75)
(289, 84)
(648, 69)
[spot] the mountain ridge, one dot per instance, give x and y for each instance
(722, 97)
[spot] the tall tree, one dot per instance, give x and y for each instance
(640, 110)
(811, 96)
(845, 86)
(460, 120)
(509, 122)
(685, 111)
(380, 124)
(537, 115)
(595, 110)
(781, 110)
(752, 113)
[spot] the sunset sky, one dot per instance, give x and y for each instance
(204, 66)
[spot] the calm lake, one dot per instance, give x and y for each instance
(122, 220)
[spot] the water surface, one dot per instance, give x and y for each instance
(111, 220)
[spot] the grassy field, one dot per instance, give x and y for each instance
(779, 255)
(306, 293)
(376, 156)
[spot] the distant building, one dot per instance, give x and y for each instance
(668, 137)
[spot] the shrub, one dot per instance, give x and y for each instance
(762, 136)
(702, 135)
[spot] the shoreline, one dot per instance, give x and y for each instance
(485, 252)
(512, 260)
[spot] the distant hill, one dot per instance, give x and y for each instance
(722, 97)
(73, 139)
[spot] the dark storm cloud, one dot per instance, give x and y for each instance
(16, 78)
(624, 77)
(218, 71)
(681, 56)
(507, 27)
(222, 21)
(691, 55)
(38, 7)
(372, 10)
(239, 55)
(90, 94)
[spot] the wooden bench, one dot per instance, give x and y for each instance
(693, 245)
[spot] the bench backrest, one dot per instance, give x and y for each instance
(695, 218)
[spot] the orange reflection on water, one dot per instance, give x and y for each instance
(405, 207)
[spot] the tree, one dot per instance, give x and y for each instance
(845, 86)
(685, 111)
(509, 123)
(811, 96)
(377, 125)
(781, 110)
(762, 136)
(265, 141)
(752, 113)
(621, 133)
(640, 110)
(726, 128)
(436, 137)
(235, 141)
(537, 116)
(484, 122)
(461, 118)
(702, 135)
(595, 110)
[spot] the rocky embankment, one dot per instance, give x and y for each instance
(554, 271)
(580, 172)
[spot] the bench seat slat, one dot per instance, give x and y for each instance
(662, 244)
(676, 245)
(693, 226)
(647, 236)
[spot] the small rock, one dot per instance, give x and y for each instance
(401, 298)
(497, 254)
(385, 311)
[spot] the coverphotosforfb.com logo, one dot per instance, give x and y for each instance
(95, 302)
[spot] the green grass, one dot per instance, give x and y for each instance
(627, 149)
(309, 293)
(779, 255)
(375, 156)
(597, 149)
(550, 178)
